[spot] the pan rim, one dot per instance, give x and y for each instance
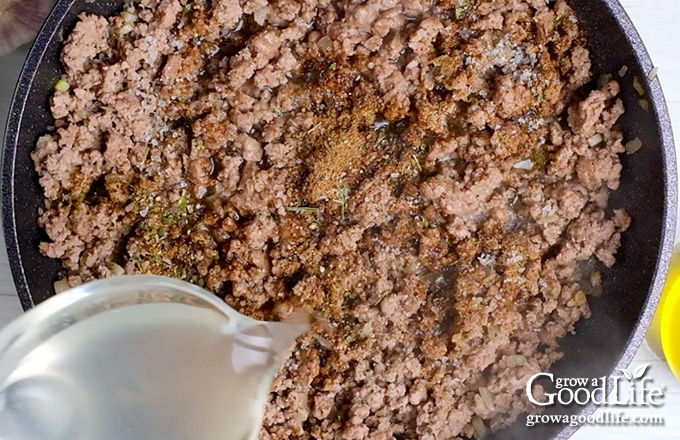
(11, 143)
(669, 220)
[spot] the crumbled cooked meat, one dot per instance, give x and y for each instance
(357, 161)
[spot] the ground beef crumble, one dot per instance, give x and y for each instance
(429, 179)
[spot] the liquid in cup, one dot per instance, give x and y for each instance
(151, 370)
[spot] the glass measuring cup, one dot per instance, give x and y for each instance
(138, 357)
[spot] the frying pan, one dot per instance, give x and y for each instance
(648, 191)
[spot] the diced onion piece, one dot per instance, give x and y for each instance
(644, 104)
(595, 140)
(623, 71)
(325, 343)
(61, 285)
(117, 269)
(126, 29)
(461, 343)
(633, 146)
(260, 15)
(653, 73)
(595, 291)
(580, 298)
(494, 333)
(595, 279)
(527, 164)
(367, 331)
(516, 360)
(596, 285)
(637, 85)
(548, 219)
(479, 427)
(128, 17)
(62, 86)
(303, 411)
(487, 398)
(325, 43)
(482, 190)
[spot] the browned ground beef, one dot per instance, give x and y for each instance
(429, 179)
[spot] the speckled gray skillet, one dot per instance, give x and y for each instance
(648, 191)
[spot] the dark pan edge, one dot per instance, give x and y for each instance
(670, 177)
(11, 137)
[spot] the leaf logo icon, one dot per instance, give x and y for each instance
(627, 374)
(640, 371)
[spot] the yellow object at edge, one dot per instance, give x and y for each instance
(669, 313)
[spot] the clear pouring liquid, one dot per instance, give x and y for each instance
(167, 367)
